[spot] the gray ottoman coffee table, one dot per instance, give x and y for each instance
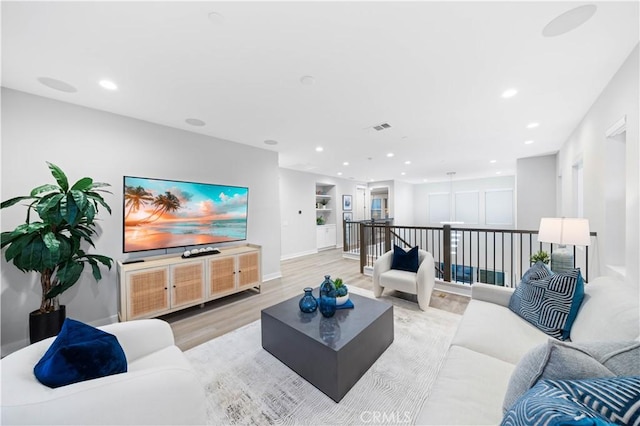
(330, 353)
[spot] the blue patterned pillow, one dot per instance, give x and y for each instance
(600, 401)
(405, 260)
(538, 271)
(80, 352)
(550, 303)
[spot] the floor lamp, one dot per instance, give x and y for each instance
(563, 231)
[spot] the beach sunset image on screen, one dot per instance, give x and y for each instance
(161, 213)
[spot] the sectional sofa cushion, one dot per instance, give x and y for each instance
(483, 321)
(468, 390)
(609, 311)
(557, 360)
(597, 402)
(405, 260)
(550, 303)
(80, 352)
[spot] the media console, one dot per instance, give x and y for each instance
(165, 284)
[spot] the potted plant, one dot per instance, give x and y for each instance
(342, 291)
(319, 220)
(53, 245)
(541, 256)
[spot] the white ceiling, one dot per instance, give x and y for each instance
(433, 70)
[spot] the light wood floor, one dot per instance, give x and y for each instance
(196, 325)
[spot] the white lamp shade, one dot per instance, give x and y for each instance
(565, 230)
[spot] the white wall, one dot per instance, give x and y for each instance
(298, 230)
(297, 193)
(104, 146)
(536, 182)
(588, 141)
(463, 188)
(403, 203)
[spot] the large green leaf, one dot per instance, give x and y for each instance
(44, 188)
(100, 184)
(59, 175)
(30, 259)
(46, 204)
(83, 184)
(90, 213)
(13, 201)
(51, 256)
(105, 260)
(69, 210)
(80, 199)
(17, 245)
(98, 198)
(68, 274)
(72, 212)
(21, 230)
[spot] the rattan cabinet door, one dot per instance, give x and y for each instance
(248, 270)
(222, 276)
(187, 284)
(148, 292)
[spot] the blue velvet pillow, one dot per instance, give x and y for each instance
(596, 402)
(80, 352)
(405, 260)
(550, 303)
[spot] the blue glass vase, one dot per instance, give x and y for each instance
(327, 299)
(308, 303)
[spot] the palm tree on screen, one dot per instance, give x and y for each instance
(164, 203)
(136, 197)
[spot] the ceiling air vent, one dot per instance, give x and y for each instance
(382, 126)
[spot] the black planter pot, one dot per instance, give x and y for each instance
(46, 325)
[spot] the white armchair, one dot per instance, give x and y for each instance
(420, 283)
(159, 387)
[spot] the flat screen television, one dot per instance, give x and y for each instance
(160, 214)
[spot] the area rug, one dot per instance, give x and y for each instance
(245, 385)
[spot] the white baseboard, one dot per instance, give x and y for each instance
(300, 254)
(273, 276)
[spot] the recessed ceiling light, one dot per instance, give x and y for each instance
(532, 125)
(528, 142)
(407, 162)
(270, 142)
(60, 85)
(339, 173)
(570, 20)
(498, 173)
(216, 18)
(195, 122)
(509, 93)
(346, 163)
(319, 149)
(390, 154)
(107, 84)
(307, 80)
(403, 173)
(493, 161)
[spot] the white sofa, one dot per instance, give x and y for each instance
(491, 339)
(160, 387)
